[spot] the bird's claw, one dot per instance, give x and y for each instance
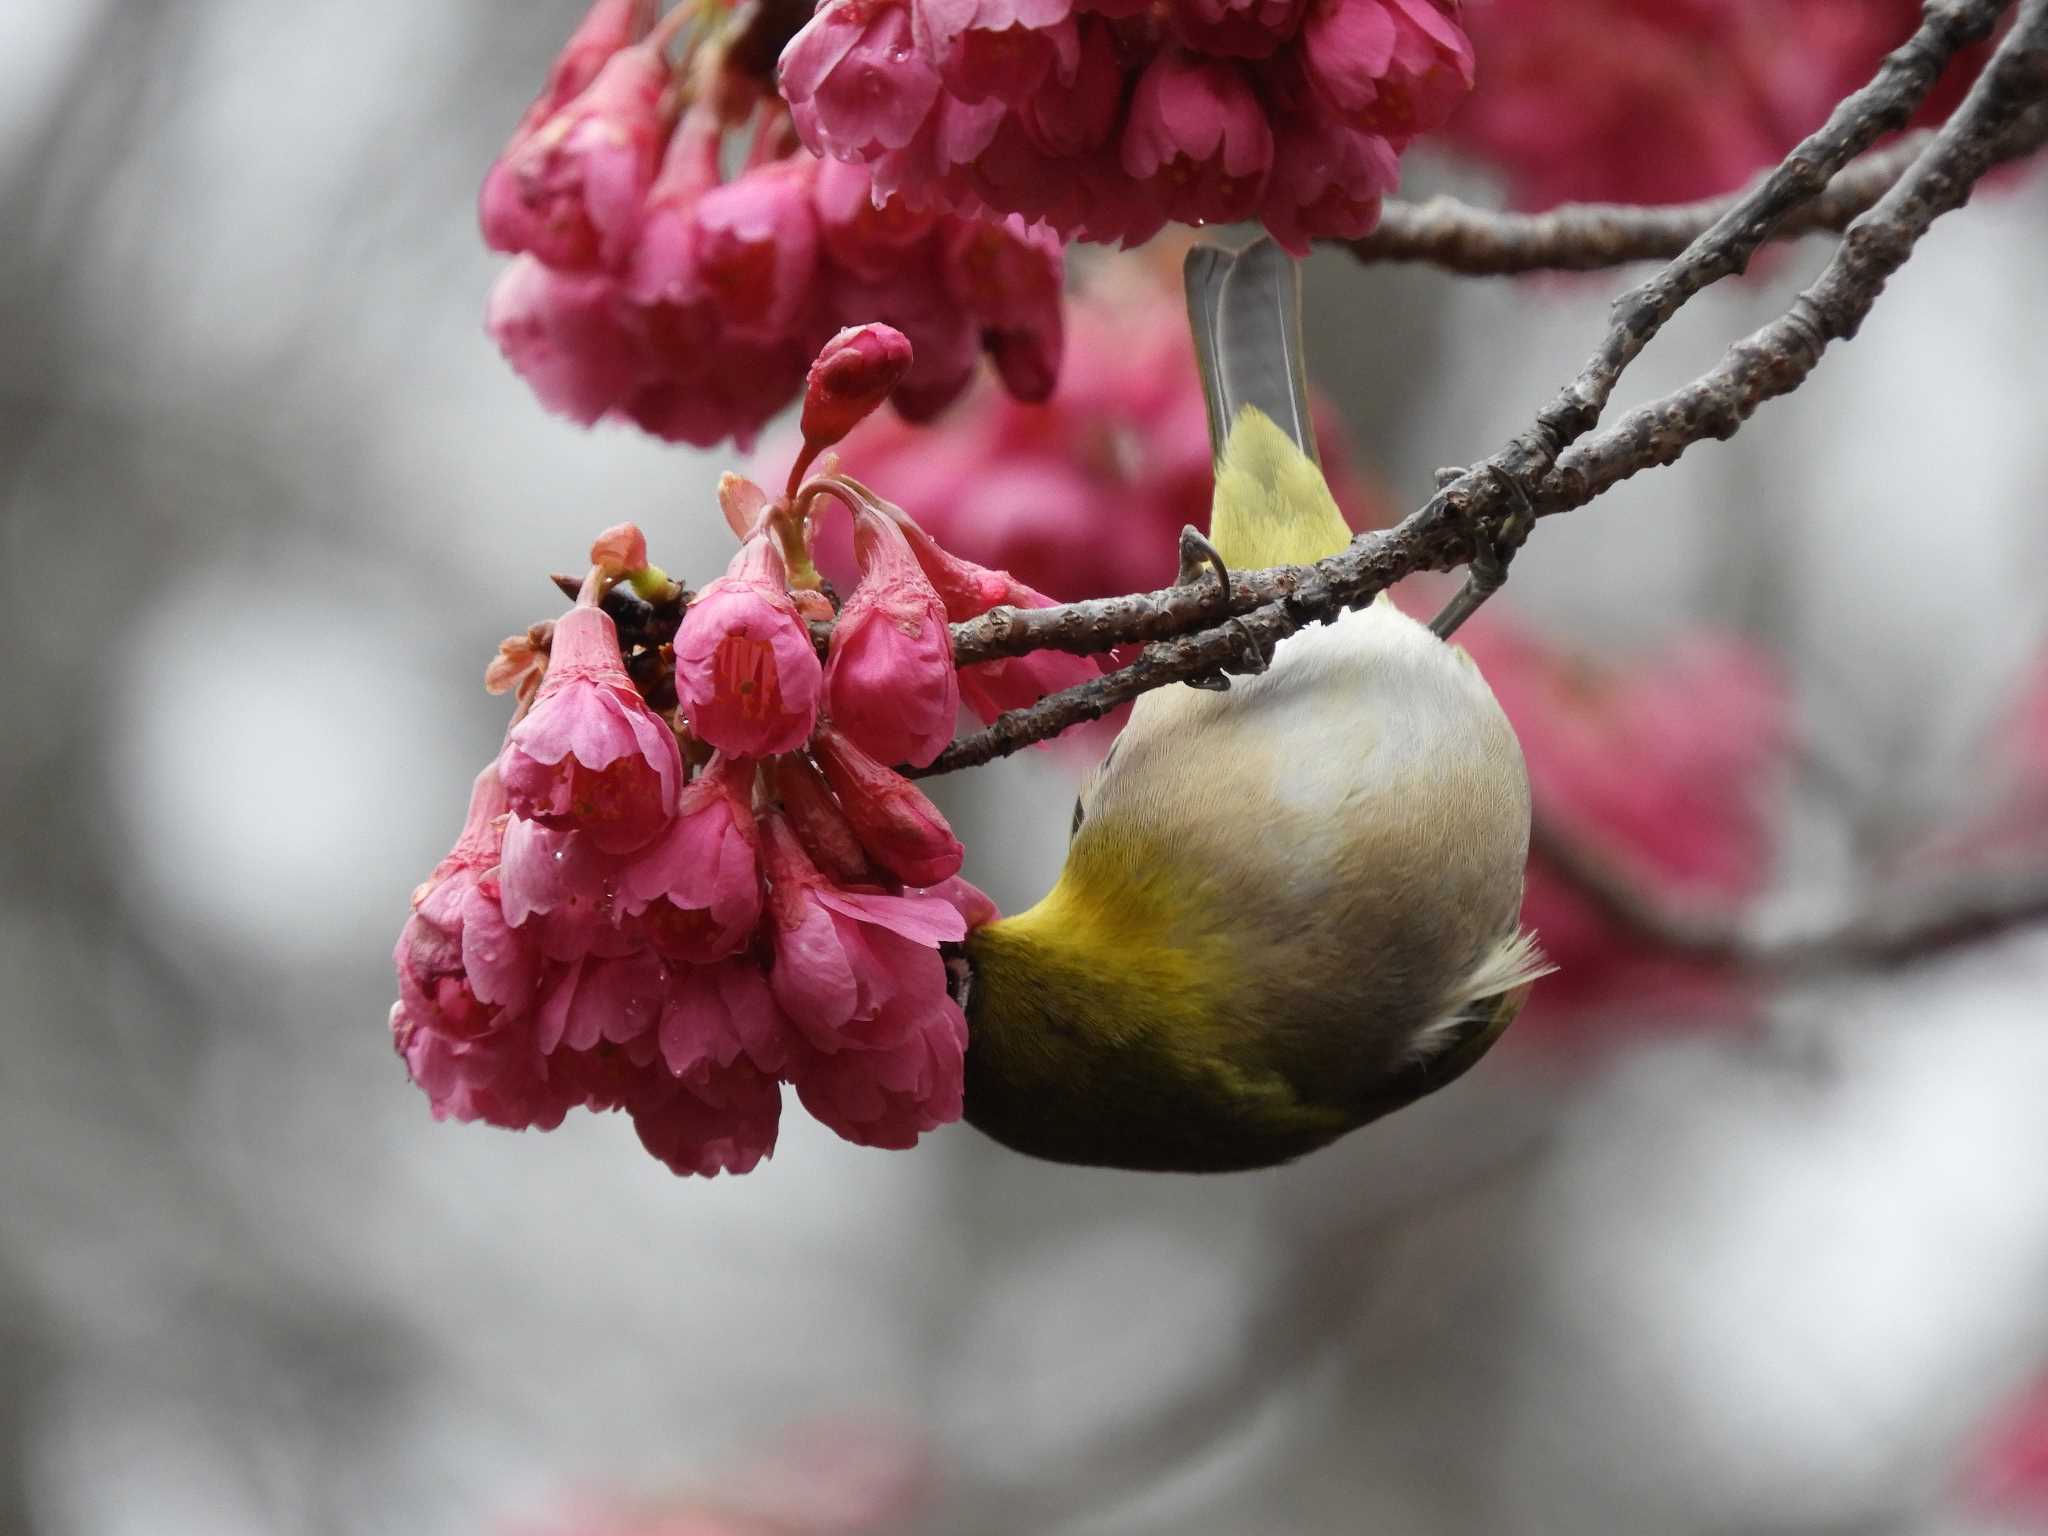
(1492, 548)
(1196, 552)
(1252, 659)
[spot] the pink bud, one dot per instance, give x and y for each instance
(591, 756)
(746, 674)
(853, 375)
(819, 822)
(892, 818)
(889, 680)
(572, 190)
(663, 267)
(620, 549)
(855, 83)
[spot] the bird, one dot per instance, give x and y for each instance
(1290, 907)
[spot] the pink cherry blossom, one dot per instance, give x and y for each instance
(558, 888)
(715, 1120)
(996, 48)
(866, 237)
(1197, 130)
(853, 969)
(891, 817)
(890, 1097)
(697, 889)
(721, 1013)
(663, 268)
(569, 336)
(499, 1079)
(854, 83)
(461, 968)
(1010, 274)
(755, 250)
(970, 901)
(573, 188)
(590, 756)
(889, 680)
(1106, 119)
(746, 674)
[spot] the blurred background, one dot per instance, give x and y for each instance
(1748, 1257)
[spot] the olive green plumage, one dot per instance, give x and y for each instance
(1288, 908)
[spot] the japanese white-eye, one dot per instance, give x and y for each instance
(1287, 908)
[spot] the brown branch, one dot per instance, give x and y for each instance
(1589, 237)
(1895, 927)
(1439, 536)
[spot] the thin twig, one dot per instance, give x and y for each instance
(1893, 928)
(1589, 237)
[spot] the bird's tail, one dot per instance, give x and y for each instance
(1272, 506)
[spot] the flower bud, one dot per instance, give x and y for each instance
(820, 823)
(895, 823)
(853, 374)
(889, 680)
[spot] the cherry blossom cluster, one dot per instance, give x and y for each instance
(649, 285)
(693, 873)
(1108, 118)
(1659, 101)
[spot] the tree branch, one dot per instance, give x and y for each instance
(1893, 928)
(1454, 236)
(1180, 623)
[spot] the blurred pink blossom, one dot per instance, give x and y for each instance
(1658, 101)
(1106, 118)
(1664, 768)
(2007, 1471)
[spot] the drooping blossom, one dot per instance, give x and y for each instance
(901, 829)
(653, 285)
(571, 191)
(460, 966)
(1105, 120)
(746, 674)
(1646, 101)
(1664, 768)
(590, 756)
(890, 683)
(696, 890)
(859, 975)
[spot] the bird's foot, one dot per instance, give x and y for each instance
(1492, 549)
(1196, 552)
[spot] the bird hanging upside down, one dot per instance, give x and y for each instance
(1290, 907)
